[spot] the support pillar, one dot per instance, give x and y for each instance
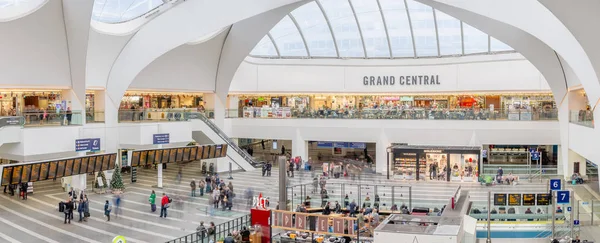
(232, 106)
(215, 108)
(381, 153)
(299, 146)
(76, 101)
(159, 182)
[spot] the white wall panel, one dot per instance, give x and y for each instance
(583, 140)
(492, 76)
(102, 52)
(34, 50)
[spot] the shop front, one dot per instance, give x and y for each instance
(140, 99)
(443, 163)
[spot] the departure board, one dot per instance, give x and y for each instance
(84, 165)
(113, 160)
(98, 165)
(106, 162)
(35, 172)
(150, 158)
(224, 150)
(91, 164)
(76, 166)
(165, 156)
(25, 173)
(143, 157)
(172, 155)
(500, 199)
(193, 152)
(6, 175)
(528, 199)
(211, 151)
(158, 156)
(199, 153)
(52, 170)
(135, 158)
(543, 199)
(69, 167)
(16, 174)
(60, 170)
(514, 199)
(179, 155)
(205, 151)
(44, 171)
(218, 151)
(186, 154)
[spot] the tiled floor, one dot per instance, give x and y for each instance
(38, 219)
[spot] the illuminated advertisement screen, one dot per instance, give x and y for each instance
(193, 153)
(91, 164)
(165, 156)
(528, 199)
(76, 166)
(186, 154)
(158, 156)
(543, 199)
(179, 155)
(35, 172)
(26, 173)
(44, 171)
(98, 165)
(224, 151)
(135, 158)
(500, 199)
(6, 175)
(16, 175)
(150, 158)
(143, 157)
(106, 162)
(113, 160)
(514, 199)
(60, 171)
(172, 154)
(69, 167)
(84, 165)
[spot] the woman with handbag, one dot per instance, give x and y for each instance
(152, 201)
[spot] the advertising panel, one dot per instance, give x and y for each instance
(224, 151)
(113, 160)
(286, 220)
(193, 153)
(106, 162)
(218, 151)
(200, 153)
(322, 225)
(151, 156)
(91, 164)
(172, 155)
(205, 150)
(98, 165)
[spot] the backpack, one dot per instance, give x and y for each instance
(170, 199)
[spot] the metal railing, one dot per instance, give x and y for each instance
(582, 117)
(94, 117)
(395, 113)
(62, 118)
(216, 234)
(225, 138)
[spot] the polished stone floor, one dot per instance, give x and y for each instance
(38, 220)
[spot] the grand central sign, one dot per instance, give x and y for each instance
(416, 80)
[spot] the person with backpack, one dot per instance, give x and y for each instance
(245, 235)
(164, 204)
(107, 209)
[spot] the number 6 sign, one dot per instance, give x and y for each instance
(555, 184)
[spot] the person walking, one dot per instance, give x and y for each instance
(201, 231)
(152, 201)
(107, 209)
(164, 204)
(81, 208)
(69, 115)
(201, 188)
(282, 150)
(86, 208)
(68, 210)
(117, 204)
(230, 186)
(24, 190)
(193, 187)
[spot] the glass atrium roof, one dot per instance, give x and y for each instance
(372, 29)
(13, 9)
(118, 11)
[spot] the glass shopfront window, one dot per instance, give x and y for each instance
(22, 102)
(435, 163)
(139, 100)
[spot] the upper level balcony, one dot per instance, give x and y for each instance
(582, 117)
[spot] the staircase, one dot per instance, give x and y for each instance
(234, 153)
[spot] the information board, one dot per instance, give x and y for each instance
(514, 199)
(113, 160)
(98, 165)
(106, 163)
(52, 170)
(193, 153)
(165, 156)
(135, 158)
(44, 171)
(60, 170)
(133, 174)
(76, 166)
(205, 150)
(26, 173)
(499, 199)
(35, 172)
(69, 168)
(143, 157)
(528, 199)
(91, 164)
(555, 184)
(543, 199)
(151, 155)
(218, 150)
(179, 155)
(186, 154)
(224, 150)
(16, 175)
(172, 155)
(84, 165)
(199, 153)
(563, 197)
(158, 156)
(6, 175)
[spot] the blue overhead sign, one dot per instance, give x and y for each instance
(87, 144)
(562, 197)
(535, 156)
(555, 184)
(162, 138)
(353, 145)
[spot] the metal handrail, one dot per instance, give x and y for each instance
(229, 142)
(220, 231)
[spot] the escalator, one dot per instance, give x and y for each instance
(213, 134)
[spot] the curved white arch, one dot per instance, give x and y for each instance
(20, 10)
(174, 28)
(207, 37)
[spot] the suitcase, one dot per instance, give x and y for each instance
(61, 207)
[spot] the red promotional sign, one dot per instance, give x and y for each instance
(338, 225)
(300, 222)
(322, 224)
(351, 227)
(287, 220)
(276, 217)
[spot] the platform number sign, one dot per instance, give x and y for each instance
(576, 222)
(555, 184)
(562, 197)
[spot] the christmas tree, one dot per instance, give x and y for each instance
(117, 181)
(101, 175)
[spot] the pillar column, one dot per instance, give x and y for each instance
(232, 106)
(381, 153)
(215, 104)
(299, 146)
(76, 101)
(159, 176)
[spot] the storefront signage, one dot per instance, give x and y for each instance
(432, 151)
(354, 145)
(409, 154)
(401, 80)
(162, 138)
(10, 121)
(259, 202)
(87, 144)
